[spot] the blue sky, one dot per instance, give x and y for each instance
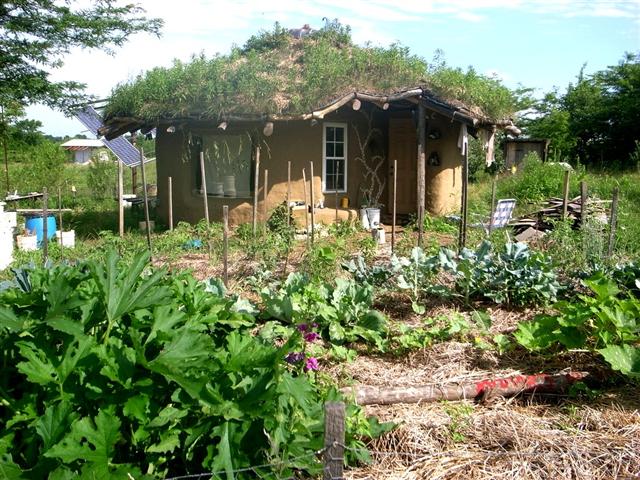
(536, 43)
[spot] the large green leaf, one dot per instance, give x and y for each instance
(623, 358)
(54, 424)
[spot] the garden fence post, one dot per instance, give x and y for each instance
(225, 244)
(334, 417)
(337, 202)
(256, 186)
(565, 194)
(45, 226)
(462, 234)
(583, 204)
(204, 188)
(422, 169)
(613, 221)
(265, 210)
(288, 194)
(146, 198)
(306, 206)
(120, 202)
(170, 205)
(393, 220)
(313, 205)
(60, 220)
(493, 205)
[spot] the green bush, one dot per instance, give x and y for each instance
(102, 176)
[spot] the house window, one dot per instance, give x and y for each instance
(334, 157)
(227, 165)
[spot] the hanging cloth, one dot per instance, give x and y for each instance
(463, 139)
(490, 147)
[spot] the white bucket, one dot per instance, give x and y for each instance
(229, 185)
(6, 248)
(364, 220)
(379, 235)
(68, 238)
(143, 225)
(373, 216)
(27, 242)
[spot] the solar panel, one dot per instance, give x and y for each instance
(120, 146)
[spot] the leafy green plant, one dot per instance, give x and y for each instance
(606, 322)
(116, 370)
(416, 275)
(101, 177)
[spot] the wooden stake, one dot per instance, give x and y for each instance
(493, 204)
(120, 201)
(583, 203)
(393, 213)
(225, 244)
(565, 194)
(613, 221)
(45, 226)
(421, 187)
(256, 183)
(265, 210)
(134, 180)
(146, 198)
(306, 206)
(170, 205)
(60, 219)
(462, 234)
(289, 194)
(334, 426)
(313, 205)
(204, 188)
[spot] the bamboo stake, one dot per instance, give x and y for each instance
(565, 194)
(613, 221)
(120, 202)
(60, 220)
(583, 203)
(493, 205)
(289, 194)
(462, 237)
(395, 197)
(478, 390)
(204, 188)
(313, 204)
(225, 244)
(306, 205)
(134, 180)
(265, 210)
(45, 226)
(256, 186)
(170, 205)
(421, 164)
(146, 198)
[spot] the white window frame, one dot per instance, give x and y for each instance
(324, 155)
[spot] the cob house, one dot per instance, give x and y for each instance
(307, 102)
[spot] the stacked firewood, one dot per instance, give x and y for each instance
(543, 219)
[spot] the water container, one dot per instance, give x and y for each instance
(229, 185)
(35, 224)
(373, 215)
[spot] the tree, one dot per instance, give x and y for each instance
(36, 34)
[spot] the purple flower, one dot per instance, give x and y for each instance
(311, 336)
(303, 327)
(294, 357)
(312, 364)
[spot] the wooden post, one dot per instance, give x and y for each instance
(170, 204)
(306, 205)
(337, 202)
(225, 244)
(421, 187)
(395, 196)
(204, 188)
(256, 186)
(265, 210)
(120, 201)
(134, 180)
(146, 198)
(493, 205)
(313, 205)
(462, 234)
(60, 219)
(289, 194)
(583, 203)
(613, 221)
(45, 226)
(334, 418)
(565, 194)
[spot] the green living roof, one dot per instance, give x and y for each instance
(277, 74)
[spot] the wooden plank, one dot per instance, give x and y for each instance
(334, 431)
(203, 176)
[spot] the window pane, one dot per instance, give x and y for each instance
(340, 182)
(227, 165)
(330, 185)
(339, 134)
(330, 134)
(330, 149)
(339, 150)
(331, 167)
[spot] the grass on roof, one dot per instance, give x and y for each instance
(274, 73)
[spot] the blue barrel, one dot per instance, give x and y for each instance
(35, 224)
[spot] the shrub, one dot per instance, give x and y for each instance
(102, 176)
